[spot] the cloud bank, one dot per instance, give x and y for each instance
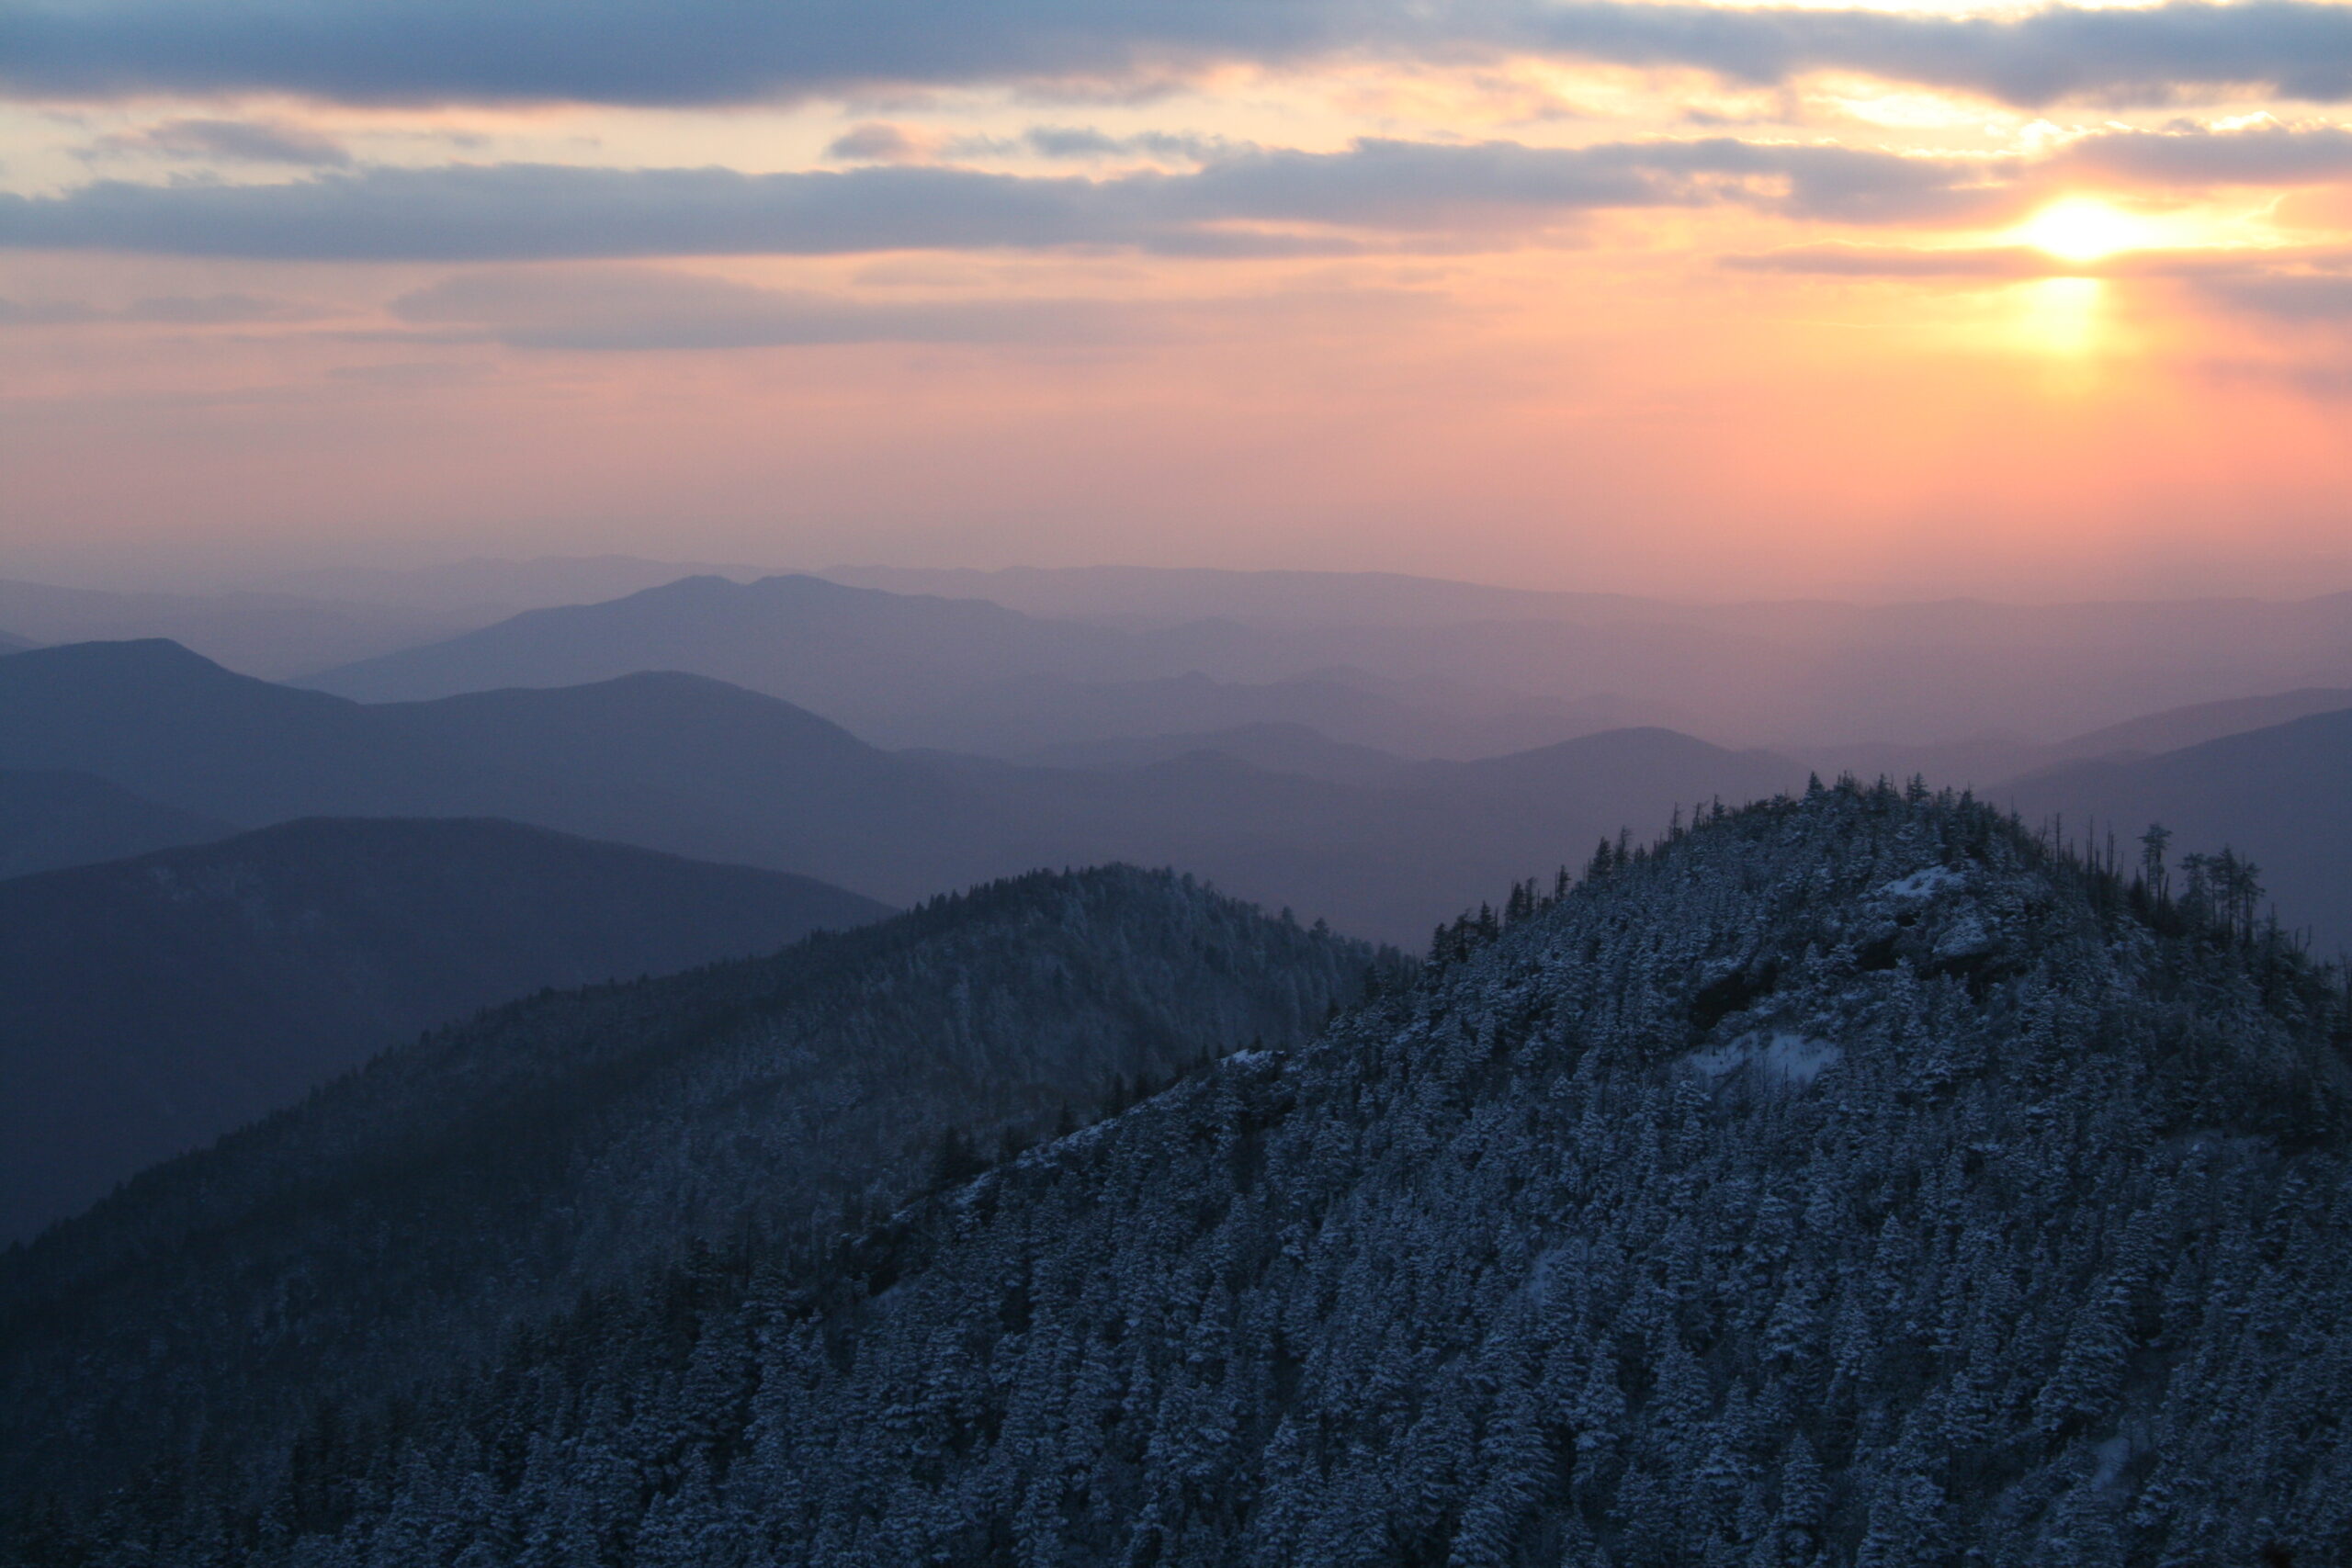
(713, 51)
(522, 211)
(625, 309)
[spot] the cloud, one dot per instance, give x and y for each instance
(622, 309)
(2295, 298)
(1086, 142)
(635, 51)
(687, 52)
(2139, 55)
(168, 309)
(1396, 190)
(2261, 273)
(611, 308)
(473, 212)
(876, 142)
(2263, 155)
(241, 141)
(1999, 263)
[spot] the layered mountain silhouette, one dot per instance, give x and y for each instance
(412, 1216)
(1856, 1178)
(672, 761)
(268, 634)
(1094, 657)
(2178, 727)
(493, 588)
(57, 819)
(692, 765)
(854, 654)
(148, 1006)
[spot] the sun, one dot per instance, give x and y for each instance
(2080, 229)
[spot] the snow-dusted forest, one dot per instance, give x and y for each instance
(1848, 1180)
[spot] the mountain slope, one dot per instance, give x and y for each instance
(54, 819)
(410, 1214)
(2276, 795)
(148, 1006)
(1849, 1182)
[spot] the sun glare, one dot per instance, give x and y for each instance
(2081, 230)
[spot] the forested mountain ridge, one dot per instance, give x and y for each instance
(1852, 1180)
(149, 1004)
(405, 1219)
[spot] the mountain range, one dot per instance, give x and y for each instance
(150, 1005)
(1854, 1178)
(965, 673)
(696, 767)
(1374, 841)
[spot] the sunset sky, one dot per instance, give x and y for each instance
(1707, 302)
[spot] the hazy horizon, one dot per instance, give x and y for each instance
(273, 574)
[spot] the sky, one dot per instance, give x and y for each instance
(1701, 301)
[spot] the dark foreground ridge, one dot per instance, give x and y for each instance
(150, 1005)
(406, 1220)
(1850, 1181)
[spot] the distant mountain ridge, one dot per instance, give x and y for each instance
(501, 587)
(2178, 728)
(975, 675)
(692, 765)
(56, 819)
(814, 643)
(268, 633)
(148, 1006)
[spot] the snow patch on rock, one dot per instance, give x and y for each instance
(1925, 884)
(1783, 1055)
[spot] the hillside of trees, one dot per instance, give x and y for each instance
(1855, 1179)
(151, 1004)
(407, 1220)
